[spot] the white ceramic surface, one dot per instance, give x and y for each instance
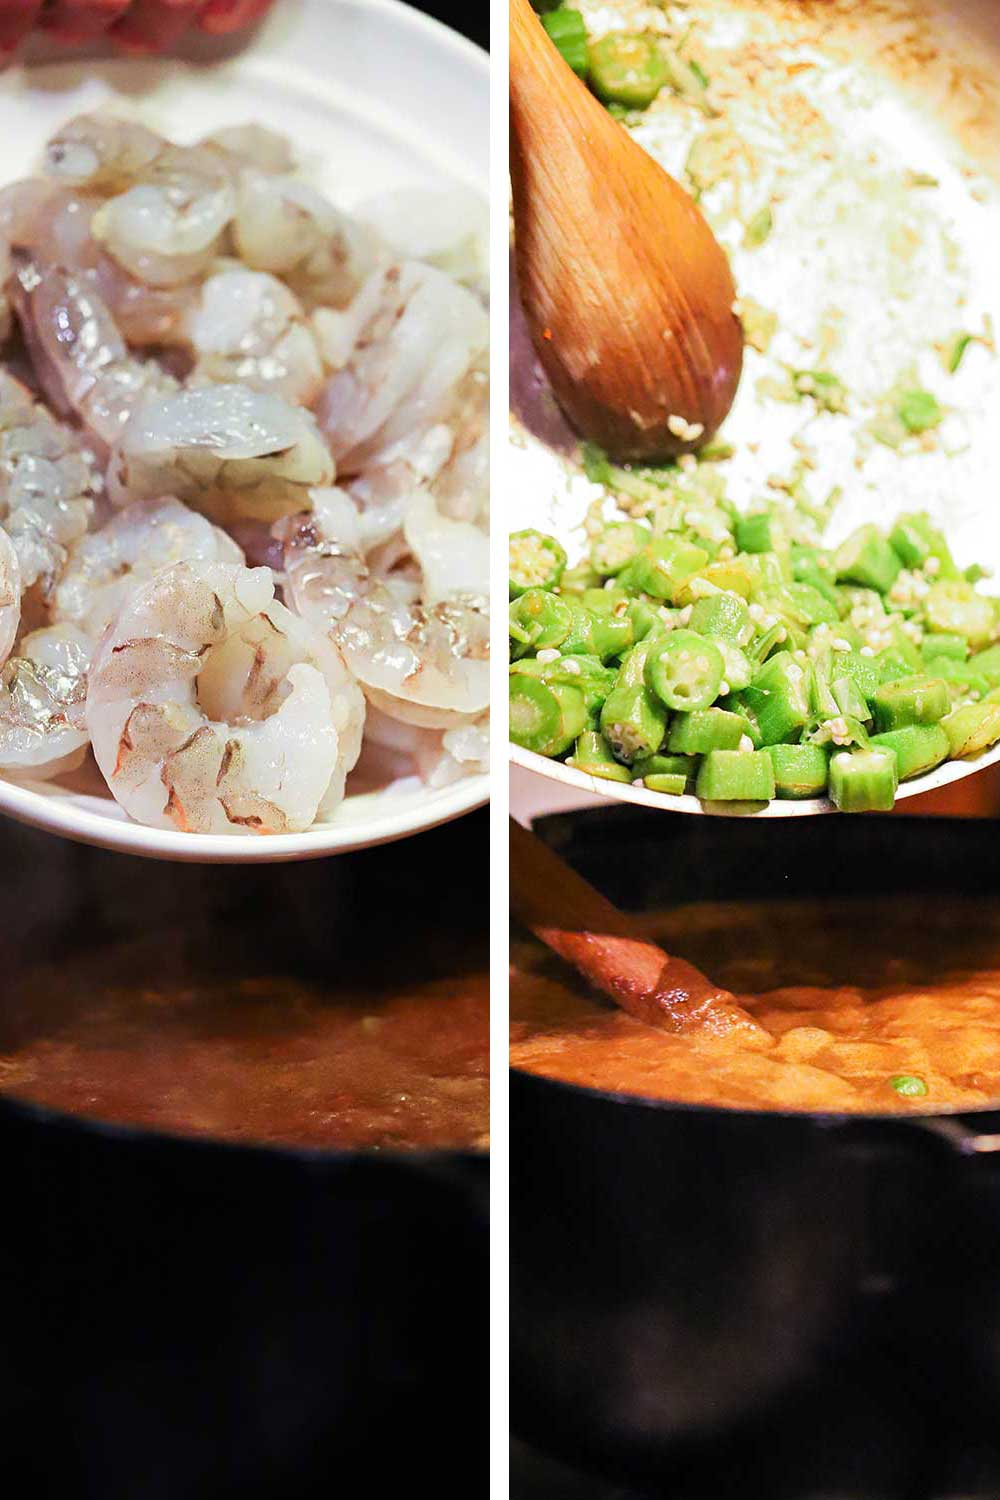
(542, 491)
(375, 96)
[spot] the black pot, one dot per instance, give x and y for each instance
(186, 1318)
(694, 1289)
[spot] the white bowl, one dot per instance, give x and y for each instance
(374, 96)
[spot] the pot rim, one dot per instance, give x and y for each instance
(115, 1132)
(826, 1118)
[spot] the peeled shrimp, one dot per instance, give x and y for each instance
(47, 485)
(104, 566)
(253, 146)
(80, 357)
(422, 661)
(454, 556)
(449, 230)
(233, 453)
(42, 694)
(408, 369)
(247, 327)
(170, 205)
(10, 596)
(212, 708)
(285, 226)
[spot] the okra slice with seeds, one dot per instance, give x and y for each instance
(725, 616)
(616, 545)
(592, 754)
(545, 718)
(956, 608)
(633, 720)
(863, 780)
(735, 776)
(626, 69)
(539, 620)
(684, 670)
(662, 565)
(537, 561)
(587, 674)
(592, 634)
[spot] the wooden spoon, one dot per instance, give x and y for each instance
(627, 292)
(606, 947)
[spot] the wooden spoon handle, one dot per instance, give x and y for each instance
(604, 945)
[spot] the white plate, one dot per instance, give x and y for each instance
(374, 96)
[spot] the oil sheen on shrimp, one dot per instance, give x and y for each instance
(47, 485)
(408, 368)
(211, 708)
(10, 596)
(104, 566)
(247, 327)
(285, 226)
(233, 453)
(170, 203)
(42, 696)
(80, 357)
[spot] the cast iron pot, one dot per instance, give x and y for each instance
(690, 1286)
(182, 1319)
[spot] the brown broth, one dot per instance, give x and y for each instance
(129, 1035)
(851, 995)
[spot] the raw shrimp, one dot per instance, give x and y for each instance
(462, 751)
(212, 708)
(454, 556)
(285, 226)
(10, 596)
(80, 357)
(325, 571)
(408, 369)
(233, 453)
(52, 223)
(42, 696)
(47, 485)
(247, 327)
(253, 146)
(170, 205)
(425, 663)
(449, 230)
(104, 566)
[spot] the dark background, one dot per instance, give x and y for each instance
(472, 19)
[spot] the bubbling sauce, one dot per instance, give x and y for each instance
(851, 994)
(132, 1035)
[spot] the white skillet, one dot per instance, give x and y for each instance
(544, 491)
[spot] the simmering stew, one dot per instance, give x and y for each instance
(276, 1058)
(867, 1006)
